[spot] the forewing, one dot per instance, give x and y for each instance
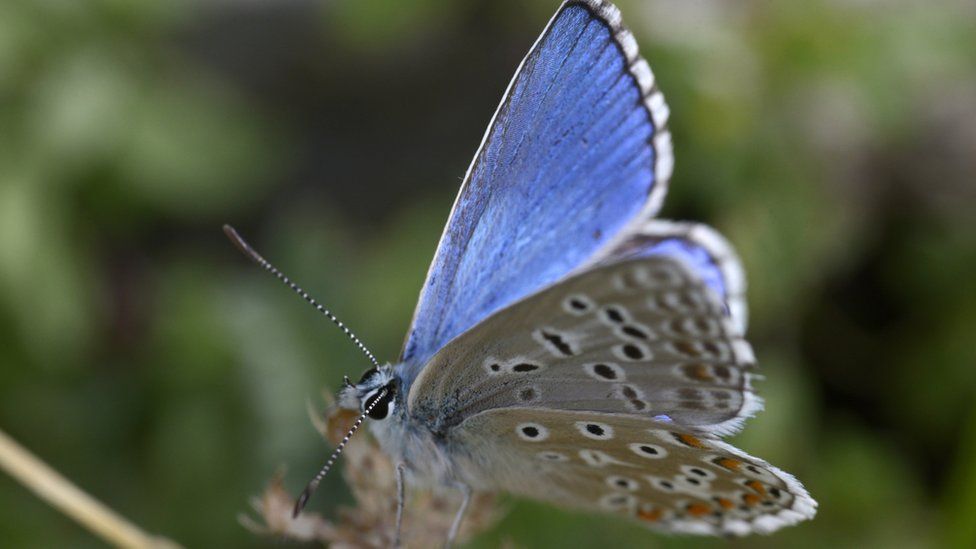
(650, 471)
(647, 336)
(577, 149)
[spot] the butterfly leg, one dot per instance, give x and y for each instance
(400, 468)
(456, 525)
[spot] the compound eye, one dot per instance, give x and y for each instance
(367, 374)
(382, 407)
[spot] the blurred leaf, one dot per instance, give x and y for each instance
(193, 151)
(382, 25)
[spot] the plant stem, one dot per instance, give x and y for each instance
(63, 495)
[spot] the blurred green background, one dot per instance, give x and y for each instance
(833, 141)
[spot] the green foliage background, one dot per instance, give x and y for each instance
(832, 141)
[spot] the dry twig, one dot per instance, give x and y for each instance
(63, 495)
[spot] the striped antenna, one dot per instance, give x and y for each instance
(247, 250)
(314, 483)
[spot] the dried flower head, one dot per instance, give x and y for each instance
(370, 475)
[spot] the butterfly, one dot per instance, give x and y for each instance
(567, 345)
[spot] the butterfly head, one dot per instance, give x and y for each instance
(374, 394)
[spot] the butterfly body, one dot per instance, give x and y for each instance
(567, 345)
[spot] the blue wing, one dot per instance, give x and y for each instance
(577, 149)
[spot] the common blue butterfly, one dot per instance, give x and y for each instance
(567, 346)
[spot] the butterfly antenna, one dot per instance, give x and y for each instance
(314, 483)
(247, 250)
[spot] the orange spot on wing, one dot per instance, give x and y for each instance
(725, 503)
(650, 515)
(700, 372)
(757, 486)
(728, 463)
(698, 509)
(751, 499)
(689, 440)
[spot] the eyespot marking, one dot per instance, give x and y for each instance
(556, 343)
(594, 430)
(605, 371)
(759, 472)
(616, 502)
(648, 450)
(632, 352)
(578, 304)
(614, 314)
(628, 391)
(693, 471)
(552, 456)
(693, 481)
(525, 367)
(637, 405)
(533, 432)
(622, 483)
(634, 331)
(661, 484)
